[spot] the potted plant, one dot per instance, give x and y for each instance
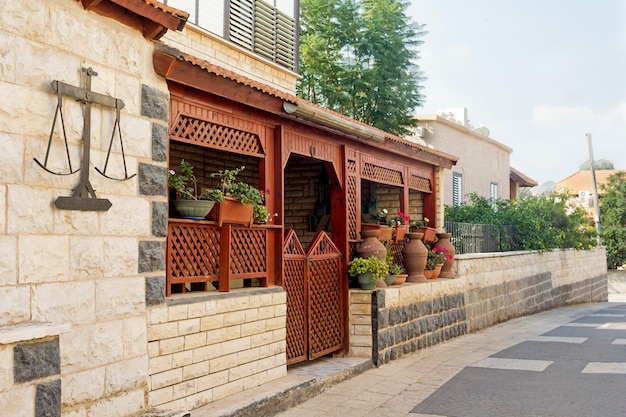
(368, 271)
(394, 270)
(421, 226)
(188, 204)
(383, 223)
(437, 255)
(236, 200)
(401, 226)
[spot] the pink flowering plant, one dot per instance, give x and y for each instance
(184, 182)
(401, 218)
(436, 255)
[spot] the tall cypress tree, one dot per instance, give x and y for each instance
(359, 58)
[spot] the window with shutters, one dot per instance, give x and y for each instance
(457, 189)
(267, 28)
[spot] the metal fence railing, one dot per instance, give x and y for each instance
(480, 238)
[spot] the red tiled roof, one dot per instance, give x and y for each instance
(521, 179)
(266, 89)
(582, 180)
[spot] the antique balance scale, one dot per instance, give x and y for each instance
(83, 195)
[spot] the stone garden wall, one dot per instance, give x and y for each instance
(72, 282)
(205, 347)
(489, 289)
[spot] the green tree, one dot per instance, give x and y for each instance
(358, 57)
(613, 219)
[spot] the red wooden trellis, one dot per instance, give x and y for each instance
(314, 297)
(294, 283)
(202, 251)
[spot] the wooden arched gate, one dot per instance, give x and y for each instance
(312, 280)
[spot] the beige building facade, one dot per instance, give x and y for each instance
(484, 163)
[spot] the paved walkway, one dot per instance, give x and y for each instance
(567, 362)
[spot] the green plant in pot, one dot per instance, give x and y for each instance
(229, 188)
(392, 274)
(368, 271)
(188, 204)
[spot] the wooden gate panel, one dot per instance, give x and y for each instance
(325, 297)
(295, 285)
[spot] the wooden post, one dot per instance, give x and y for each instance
(225, 243)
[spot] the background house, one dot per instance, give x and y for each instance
(484, 163)
(580, 187)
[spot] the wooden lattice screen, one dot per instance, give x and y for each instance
(314, 297)
(353, 201)
(326, 328)
(295, 285)
(193, 252)
(202, 132)
(420, 184)
(381, 174)
(200, 252)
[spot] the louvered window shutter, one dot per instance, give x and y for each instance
(457, 189)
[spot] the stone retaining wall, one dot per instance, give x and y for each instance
(489, 288)
(205, 347)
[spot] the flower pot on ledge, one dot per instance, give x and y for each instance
(192, 209)
(401, 231)
(231, 211)
(430, 234)
(384, 232)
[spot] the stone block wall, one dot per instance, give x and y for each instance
(85, 269)
(489, 289)
(206, 347)
(30, 374)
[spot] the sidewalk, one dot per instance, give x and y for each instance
(394, 389)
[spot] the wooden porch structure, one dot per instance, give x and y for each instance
(220, 120)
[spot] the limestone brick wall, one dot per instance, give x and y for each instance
(489, 288)
(214, 49)
(204, 348)
(83, 269)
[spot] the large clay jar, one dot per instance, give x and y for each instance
(371, 245)
(414, 257)
(443, 240)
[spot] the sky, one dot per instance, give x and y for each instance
(539, 74)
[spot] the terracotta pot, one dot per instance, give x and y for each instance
(401, 231)
(400, 279)
(414, 257)
(386, 233)
(430, 234)
(380, 283)
(437, 270)
(371, 245)
(429, 273)
(444, 241)
(231, 211)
